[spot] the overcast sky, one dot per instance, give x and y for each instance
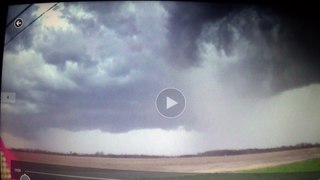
(86, 76)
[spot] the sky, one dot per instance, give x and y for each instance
(86, 76)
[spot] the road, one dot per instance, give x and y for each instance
(58, 172)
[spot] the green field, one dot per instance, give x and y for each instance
(312, 165)
(251, 176)
(303, 170)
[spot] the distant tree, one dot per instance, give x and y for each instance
(99, 153)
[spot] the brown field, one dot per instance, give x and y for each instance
(207, 164)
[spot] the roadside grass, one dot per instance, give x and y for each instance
(312, 165)
(308, 169)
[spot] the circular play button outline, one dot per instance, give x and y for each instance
(170, 103)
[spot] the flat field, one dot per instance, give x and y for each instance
(206, 164)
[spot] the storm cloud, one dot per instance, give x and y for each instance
(98, 67)
(93, 72)
(278, 46)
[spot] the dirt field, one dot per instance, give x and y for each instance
(187, 164)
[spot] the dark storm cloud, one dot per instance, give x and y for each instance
(98, 108)
(284, 41)
(71, 51)
(105, 73)
(96, 73)
(185, 24)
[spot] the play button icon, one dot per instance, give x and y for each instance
(170, 103)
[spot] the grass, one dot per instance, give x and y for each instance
(308, 169)
(312, 165)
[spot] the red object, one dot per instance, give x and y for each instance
(6, 157)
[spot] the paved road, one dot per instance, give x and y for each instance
(48, 172)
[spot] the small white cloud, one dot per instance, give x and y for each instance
(53, 18)
(78, 12)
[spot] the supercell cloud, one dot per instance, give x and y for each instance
(93, 70)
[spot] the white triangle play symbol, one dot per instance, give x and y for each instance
(170, 102)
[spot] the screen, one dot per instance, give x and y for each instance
(160, 90)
